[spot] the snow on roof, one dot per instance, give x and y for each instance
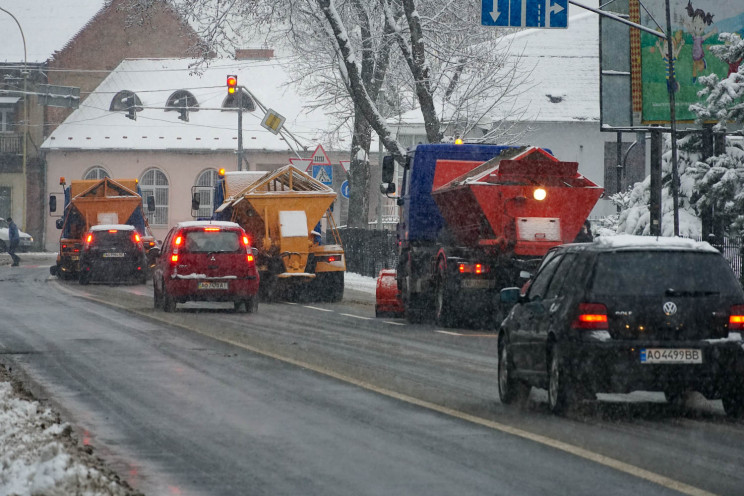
(564, 82)
(564, 85)
(628, 241)
(114, 227)
(206, 223)
(94, 127)
(47, 26)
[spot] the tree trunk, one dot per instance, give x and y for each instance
(359, 173)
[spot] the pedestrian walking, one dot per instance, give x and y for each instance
(14, 238)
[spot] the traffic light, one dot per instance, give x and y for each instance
(131, 108)
(232, 84)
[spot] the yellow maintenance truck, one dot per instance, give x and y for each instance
(89, 202)
(285, 213)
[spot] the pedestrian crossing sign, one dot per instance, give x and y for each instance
(323, 174)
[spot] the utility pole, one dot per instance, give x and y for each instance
(672, 118)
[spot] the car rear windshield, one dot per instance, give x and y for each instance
(655, 272)
(106, 239)
(212, 242)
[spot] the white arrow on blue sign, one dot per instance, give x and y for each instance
(345, 189)
(525, 13)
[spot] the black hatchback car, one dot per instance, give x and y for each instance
(626, 313)
(112, 252)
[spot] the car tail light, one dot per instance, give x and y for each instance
(174, 258)
(88, 240)
(736, 319)
(246, 241)
(474, 268)
(136, 238)
(249, 258)
(592, 317)
(178, 241)
(212, 229)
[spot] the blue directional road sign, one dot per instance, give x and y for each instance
(345, 189)
(525, 13)
(323, 173)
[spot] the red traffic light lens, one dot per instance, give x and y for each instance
(232, 84)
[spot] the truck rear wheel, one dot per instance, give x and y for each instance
(444, 310)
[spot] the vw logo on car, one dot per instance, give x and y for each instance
(670, 308)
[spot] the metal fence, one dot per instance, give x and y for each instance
(368, 251)
(731, 250)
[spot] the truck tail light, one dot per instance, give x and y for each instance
(591, 317)
(473, 268)
(736, 319)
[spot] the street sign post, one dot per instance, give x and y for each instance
(323, 173)
(525, 13)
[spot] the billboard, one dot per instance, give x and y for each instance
(695, 28)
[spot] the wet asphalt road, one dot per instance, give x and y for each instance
(323, 399)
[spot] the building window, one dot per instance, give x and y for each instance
(96, 172)
(155, 183)
(204, 187)
(231, 102)
(121, 101)
(180, 99)
(5, 194)
(7, 113)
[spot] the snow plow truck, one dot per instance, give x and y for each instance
(284, 212)
(89, 202)
(475, 219)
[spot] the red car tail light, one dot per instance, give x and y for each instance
(246, 241)
(474, 268)
(113, 231)
(249, 258)
(136, 238)
(174, 258)
(736, 319)
(212, 229)
(592, 317)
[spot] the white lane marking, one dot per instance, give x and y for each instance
(317, 308)
(356, 316)
(289, 303)
(450, 333)
(393, 323)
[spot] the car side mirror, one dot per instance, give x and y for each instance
(509, 296)
(150, 203)
(52, 203)
(195, 201)
(388, 169)
(59, 223)
(387, 188)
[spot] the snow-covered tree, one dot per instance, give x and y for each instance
(636, 218)
(431, 54)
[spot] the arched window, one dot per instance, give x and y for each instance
(121, 101)
(96, 172)
(180, 99)
(231, 102)
(204, 187)
(155, 183)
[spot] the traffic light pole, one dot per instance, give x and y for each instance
(240, 128)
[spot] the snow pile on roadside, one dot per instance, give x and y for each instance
(38, 456)
(360, 283)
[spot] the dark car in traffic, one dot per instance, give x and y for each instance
(112, 252)
(206, 261)
(626, 313)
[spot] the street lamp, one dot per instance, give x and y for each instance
(25, 117)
